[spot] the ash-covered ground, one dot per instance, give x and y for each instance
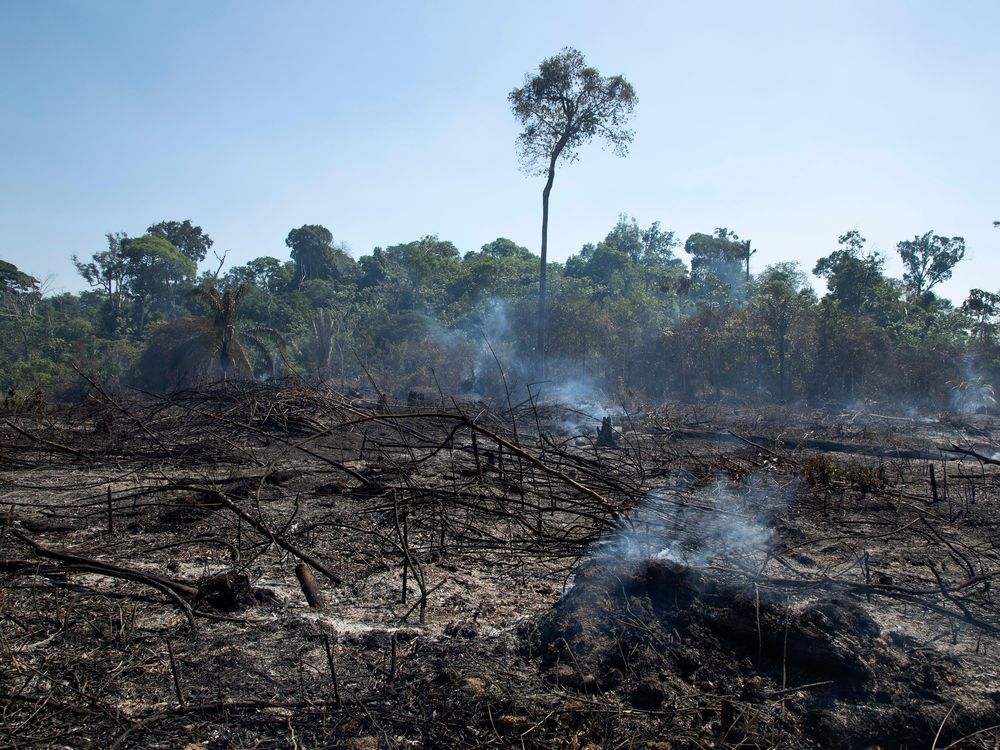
(266, 566)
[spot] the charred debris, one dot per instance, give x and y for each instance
(275, 565)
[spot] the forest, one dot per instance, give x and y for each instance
(627, 318)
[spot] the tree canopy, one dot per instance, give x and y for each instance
(566, 104)
(929, 259)
(185, 236)
(628, 317)
(316, 256)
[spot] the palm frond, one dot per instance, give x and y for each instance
(186, 351)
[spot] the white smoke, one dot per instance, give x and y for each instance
(723, 522)
(972, 393)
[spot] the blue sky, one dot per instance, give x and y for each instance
(789, 122)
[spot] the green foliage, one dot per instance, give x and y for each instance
(316, 257)
(183, 235)
(15, 283)
(984, 309)
(780, 298)
(107, 272)
(720, 268)
(502, 269)
(419, 274)
(267, 274)
(632, 260)
(856, 282)
(140, 279)
(929, 259)
(565, 105)
(626, 315)
(189, 350)
(156, 273)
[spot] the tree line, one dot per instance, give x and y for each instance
(625, 314)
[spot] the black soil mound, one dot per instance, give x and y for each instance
(663, 635)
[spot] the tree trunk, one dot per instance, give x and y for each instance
(542, 276)
(781, 368)
(140, 318)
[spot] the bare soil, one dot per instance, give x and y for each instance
(268, 566)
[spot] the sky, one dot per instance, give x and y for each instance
(787, 122)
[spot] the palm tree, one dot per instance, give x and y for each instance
(190, 350)
(318, 346)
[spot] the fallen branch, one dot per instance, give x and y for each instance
(115, 571)
(264, 529)
(176, 591)
(55, 446)
(972, 453)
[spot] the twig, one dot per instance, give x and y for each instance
(173, 671)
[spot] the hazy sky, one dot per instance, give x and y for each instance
(788, 122)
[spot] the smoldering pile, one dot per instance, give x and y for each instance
(663, 635)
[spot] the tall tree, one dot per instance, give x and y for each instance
(107, 271)
(928, 260)
(185, 236)
(779, 296)
(316, 257)
(854, 278)
(15, 283)
(19, 297)
(741, 248)
(561, 107)
(329, 334)
(984, 308)
(155, 274)
(717, 267)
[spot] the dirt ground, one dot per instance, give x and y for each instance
(276, 566)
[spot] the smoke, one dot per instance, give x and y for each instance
(719, 523)
(501, 365)
(582, 395)
(497, 369)
(443, 336)
(972, 393)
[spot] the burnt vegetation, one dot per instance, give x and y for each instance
(277, 565)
